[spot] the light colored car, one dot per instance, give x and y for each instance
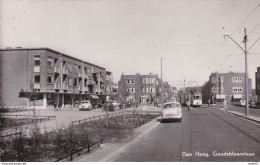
(240, 103)
(85, 105)
(115, 103)
(171, 111)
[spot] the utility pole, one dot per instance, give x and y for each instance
(246, 72)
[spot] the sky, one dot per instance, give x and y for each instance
(132, 36)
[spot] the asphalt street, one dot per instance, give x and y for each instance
(205, 134)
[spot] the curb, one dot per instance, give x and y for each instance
(151, 125)
(253, 118)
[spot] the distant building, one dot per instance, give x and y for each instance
(257, 83)
(150, 86)
(55, 78)
(229, 86)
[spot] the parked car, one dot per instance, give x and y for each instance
(115, 103)
(252, 104)
(171, 111)
(85, 105)
(240, 103)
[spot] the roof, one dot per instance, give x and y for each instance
(51, 50)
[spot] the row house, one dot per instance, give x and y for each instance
(137, 87)
(55, 78)
(226, 86)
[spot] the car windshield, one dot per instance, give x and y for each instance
(84, 102)
(173, 105)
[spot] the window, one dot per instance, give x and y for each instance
(152, 90)
(75, 82)
(37, 60)
(151, 80)
(70, 81)
(69, 66)
(37, 78)
(222, 89)
(50, 61)
(75, 69)
(49, 79)
(236, 79)
(237, 89)
(213, 79)
(130, 81)
(214, 90)
(131, 90)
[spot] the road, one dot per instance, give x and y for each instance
(205, 134)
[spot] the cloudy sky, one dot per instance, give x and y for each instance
(132, 36)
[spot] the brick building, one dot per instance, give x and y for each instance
(55, 78)
(257, 83)
(133, 87)
(229, 86)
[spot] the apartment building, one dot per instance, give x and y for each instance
(229, 86)
(55, 77)
(257, 83)
(135, 87)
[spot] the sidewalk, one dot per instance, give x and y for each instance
(253, 118)
(250, 117)
(110, 151)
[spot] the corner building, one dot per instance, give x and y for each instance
(229, 86)
(54, 76)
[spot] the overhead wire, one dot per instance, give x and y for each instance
(252, 12)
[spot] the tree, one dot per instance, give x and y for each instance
(124, 90)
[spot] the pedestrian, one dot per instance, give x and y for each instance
(55, 107)
(188, 104)
(208, 102)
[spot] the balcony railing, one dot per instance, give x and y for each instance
(56, 70)
(81, 88)
(65, 86)
(86, 89)
(36, 86)
(37, 69)
(65, 71)
(80, 74)
(56, 86)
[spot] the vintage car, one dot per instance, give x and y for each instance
(85, 105)
(172, 111)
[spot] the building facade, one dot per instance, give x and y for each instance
(229, 86)
(133, 87)
(53, 76)
(257, 83)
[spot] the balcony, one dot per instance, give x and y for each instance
(56, 86)
(85, 76)
(65, 71)
(65, 86)
(56, 70)
(36, 86)
(81, 88)
(80, 74)
(86, 89)
(37, 69)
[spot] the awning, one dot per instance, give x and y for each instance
(220, 96)
(94, 96)
(238, 96)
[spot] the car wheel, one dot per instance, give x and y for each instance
(180, 119)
